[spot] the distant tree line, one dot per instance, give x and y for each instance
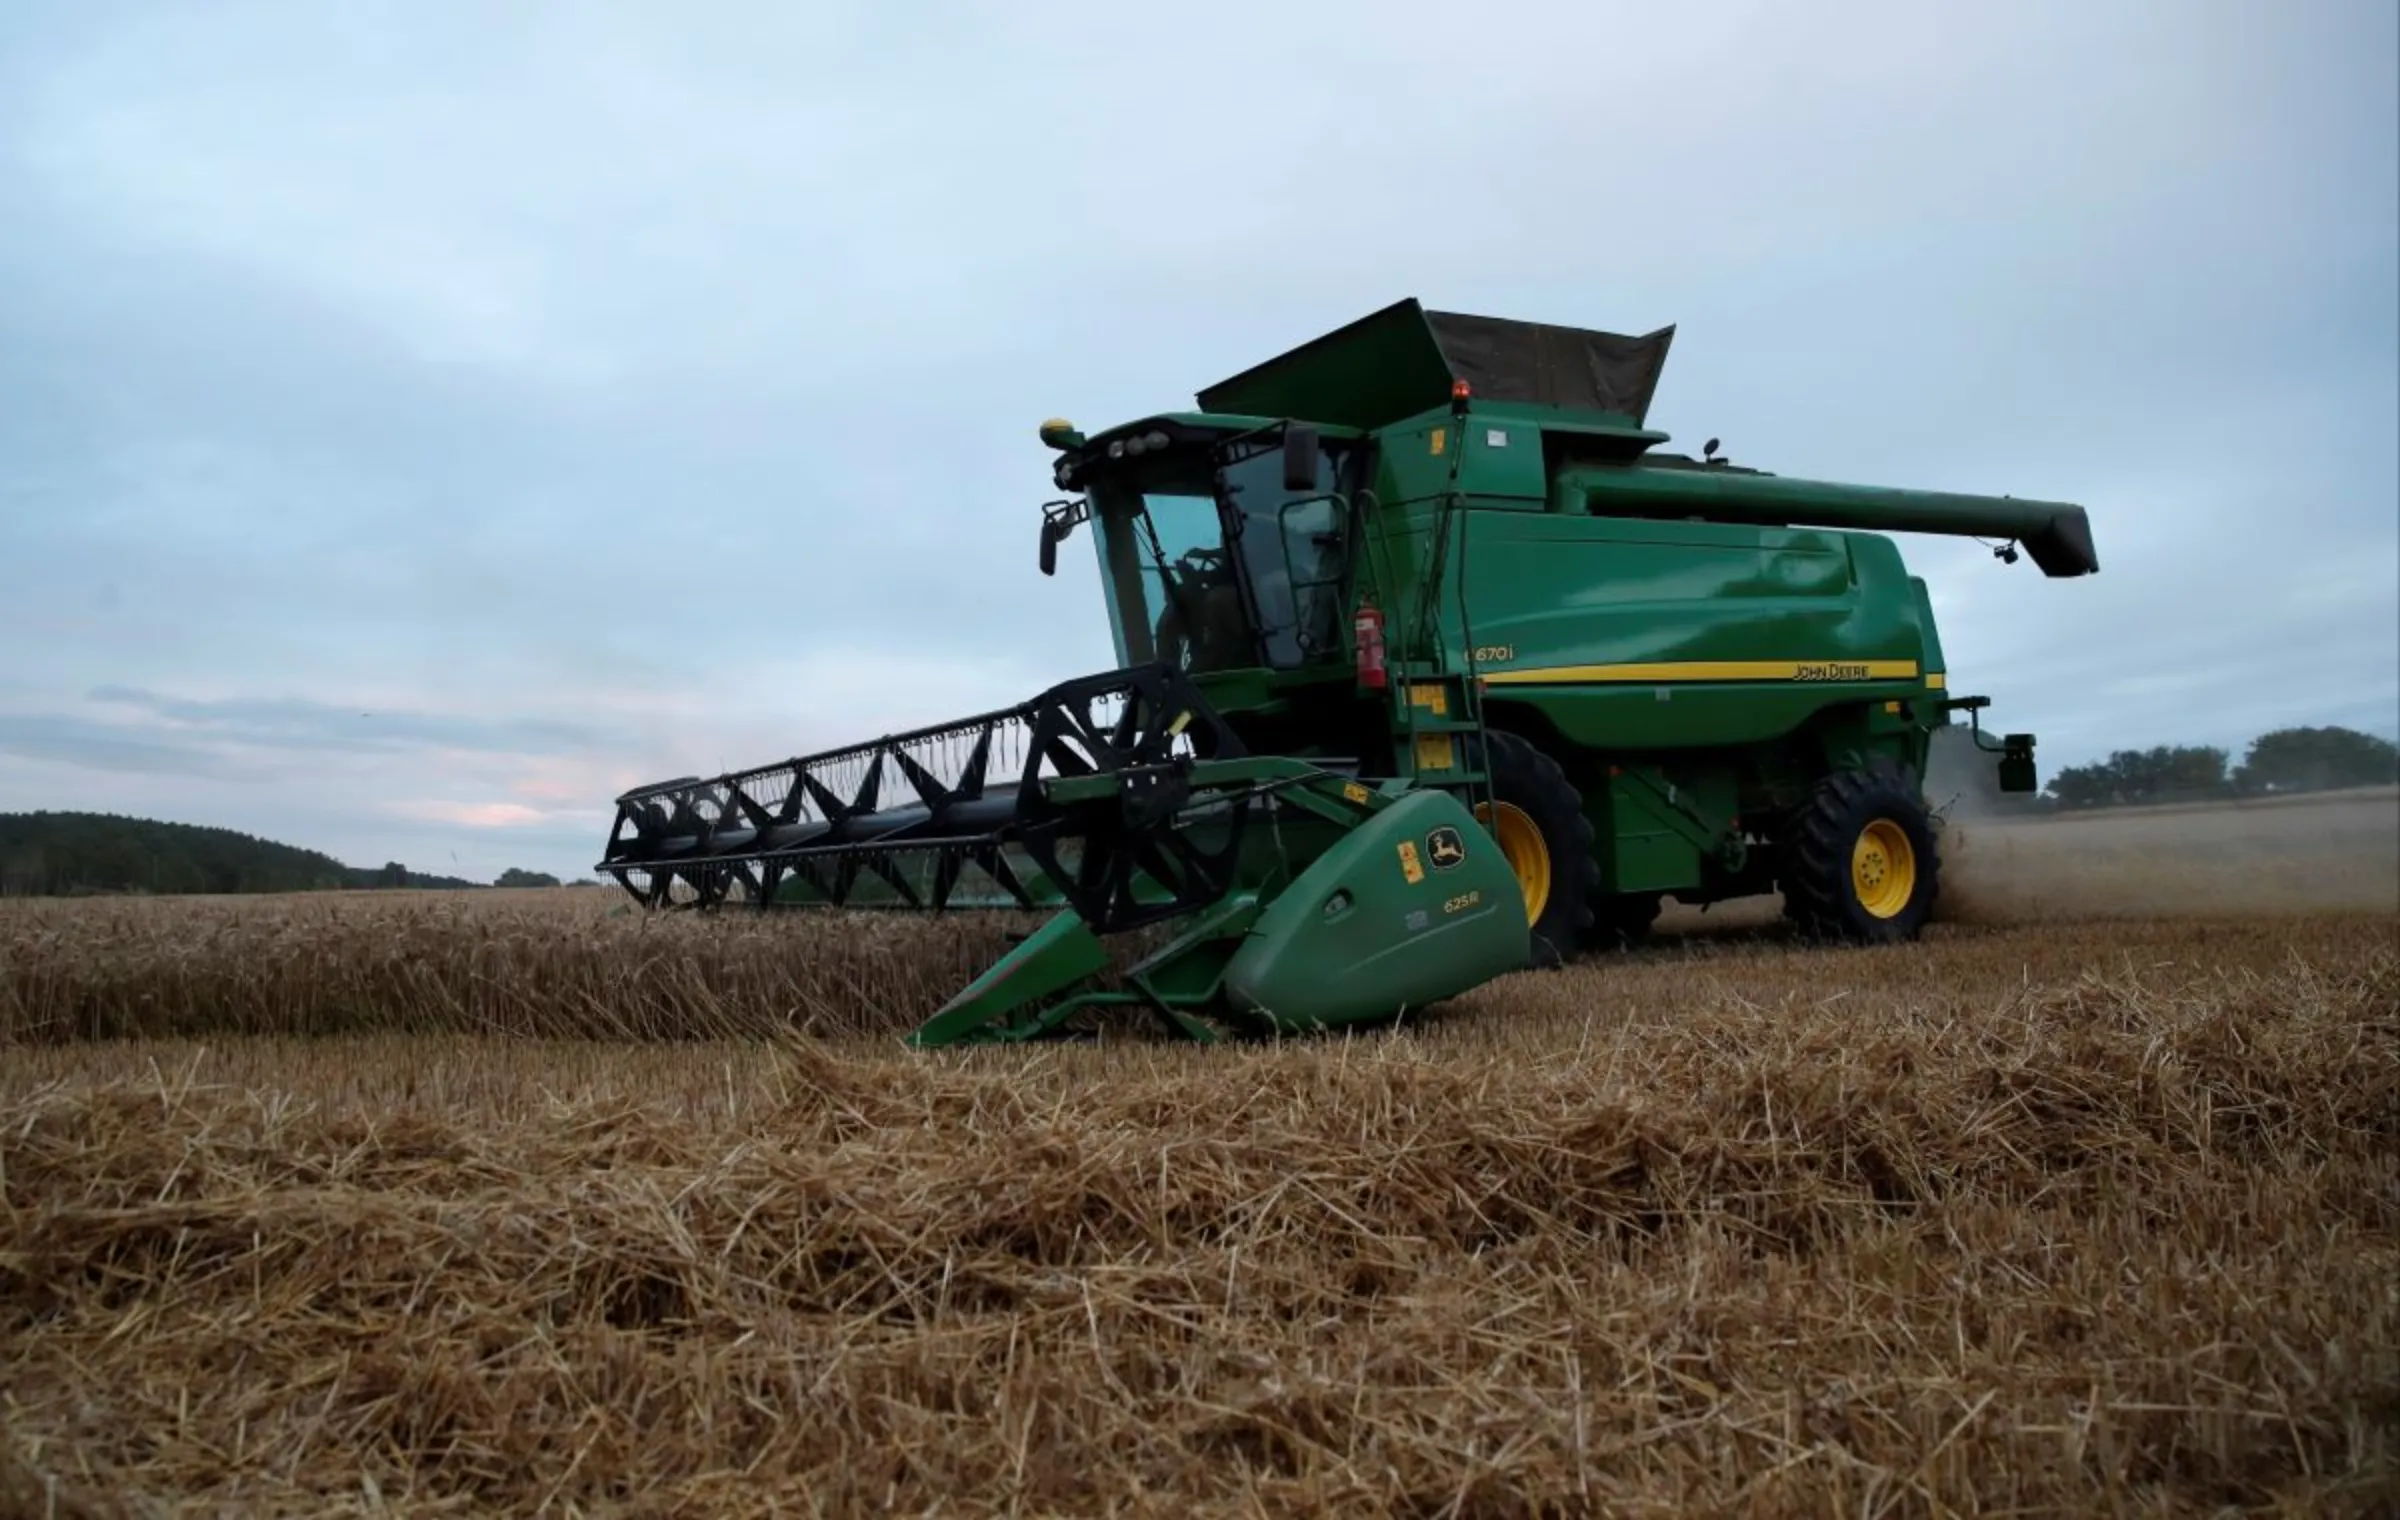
(68, 854)
(74, 854)
(2285, 762)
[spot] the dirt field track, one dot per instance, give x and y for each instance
(506, 1203)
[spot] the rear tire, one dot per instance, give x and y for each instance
(1542, 830)
(1862, 864)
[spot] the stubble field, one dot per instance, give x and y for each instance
(511, 1203)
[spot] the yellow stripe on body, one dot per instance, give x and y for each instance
(1812, 671)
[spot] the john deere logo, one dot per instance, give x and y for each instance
(1445, 848)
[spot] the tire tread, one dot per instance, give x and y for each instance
(1816, 883)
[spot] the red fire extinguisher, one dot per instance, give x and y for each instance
(1366, 627)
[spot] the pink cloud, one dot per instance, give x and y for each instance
(555, 788)
(473, 815)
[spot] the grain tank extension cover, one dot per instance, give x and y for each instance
(1402, 360)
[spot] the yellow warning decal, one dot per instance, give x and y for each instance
(1432, 698)
(1434, 752)
(1441, 439)
(1356, 793)
(1410, 866)
(1814, 671)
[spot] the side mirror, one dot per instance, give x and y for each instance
(1299, 457)
(1058, 525)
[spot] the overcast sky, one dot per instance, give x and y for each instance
(420, 421)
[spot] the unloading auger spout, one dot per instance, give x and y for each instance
(1120, 801)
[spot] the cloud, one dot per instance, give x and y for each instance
(104, 747)
(298, 723)
(591, 397)
(474, 815)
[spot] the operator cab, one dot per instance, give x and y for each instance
(1223, 542)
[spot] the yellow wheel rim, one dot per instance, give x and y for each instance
(1883, 868)
(1527, 853)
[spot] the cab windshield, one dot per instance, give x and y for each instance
(1213, 565)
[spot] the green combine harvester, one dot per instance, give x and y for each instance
(1432, 667)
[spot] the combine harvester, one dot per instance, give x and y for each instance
(1432, 667)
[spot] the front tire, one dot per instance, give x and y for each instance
(1862, 863)
(1541, 829)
